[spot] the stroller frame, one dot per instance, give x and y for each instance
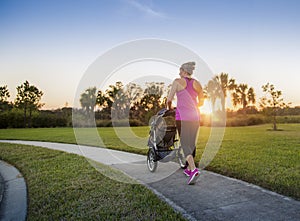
(163, 143)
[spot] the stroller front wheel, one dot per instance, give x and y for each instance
(151, 160)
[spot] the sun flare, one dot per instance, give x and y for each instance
(206, 108)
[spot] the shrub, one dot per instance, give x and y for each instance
(4, 120)
(103, 123)
(120, 123)
(255, 120)
(15, 118)
(288, 119)
(49, 119)
(245, 120)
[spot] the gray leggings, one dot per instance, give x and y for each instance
(188, 131)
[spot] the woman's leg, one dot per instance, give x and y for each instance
(189, 132)
(178, 126)
(190, 160)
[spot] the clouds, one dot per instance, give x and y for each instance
(146, 9)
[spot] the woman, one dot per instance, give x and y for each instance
(189, 98)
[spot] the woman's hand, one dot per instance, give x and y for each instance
(169, 105)
(200, 102)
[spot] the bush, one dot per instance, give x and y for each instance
(255, 120)
(245, 120)
(136, 123)
(103, 123)
(46, 119)
(288, 119)
(4, 120)
(120, 123)
(15, 118)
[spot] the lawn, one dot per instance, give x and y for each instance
(256, 154)
(270, 159)
(64, 186)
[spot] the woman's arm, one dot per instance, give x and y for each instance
(172, 94)
(198, 88)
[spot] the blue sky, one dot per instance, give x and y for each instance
(51, 43)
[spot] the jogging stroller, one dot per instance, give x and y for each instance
(163, 140)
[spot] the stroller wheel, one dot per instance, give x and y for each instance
(151, 162)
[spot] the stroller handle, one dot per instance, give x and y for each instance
(166, 111)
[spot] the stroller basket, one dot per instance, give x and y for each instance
(166, 137)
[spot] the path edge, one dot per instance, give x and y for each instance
(13, 204)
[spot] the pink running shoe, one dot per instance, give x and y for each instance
(194, 175)
(187, 172)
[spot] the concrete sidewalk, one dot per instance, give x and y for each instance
(213, 197)
(13, 193)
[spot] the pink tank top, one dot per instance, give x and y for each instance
(187, 108)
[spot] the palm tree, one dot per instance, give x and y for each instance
(212, 92)
(226, 84)
(113, 92)
(243, 96)
(251, 96)
(88, 102)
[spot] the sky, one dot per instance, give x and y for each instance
(51, 43)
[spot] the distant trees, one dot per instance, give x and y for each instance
(113, 101)
(4, 96)
(25, 110)
(225, 84)
(28, 99)
(88, 99)
(272, 102)
(152, 99)
(119, 103)
(219, 86)
(243, 95)
(88, 103)
(212, 92)
(138, 104)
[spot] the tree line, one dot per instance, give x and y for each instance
(241, 94)
(134, 102)
(25, 111)
(139, 105)
(121, 102)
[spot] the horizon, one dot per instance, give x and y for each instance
(52, 44)
(205, 109)
(142, 83)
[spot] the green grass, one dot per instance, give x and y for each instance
(270, 159)
(64, 186)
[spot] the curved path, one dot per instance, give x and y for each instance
(213, 197)
(13, 193)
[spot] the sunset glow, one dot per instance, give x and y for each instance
(206, 108)
(255, 42)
